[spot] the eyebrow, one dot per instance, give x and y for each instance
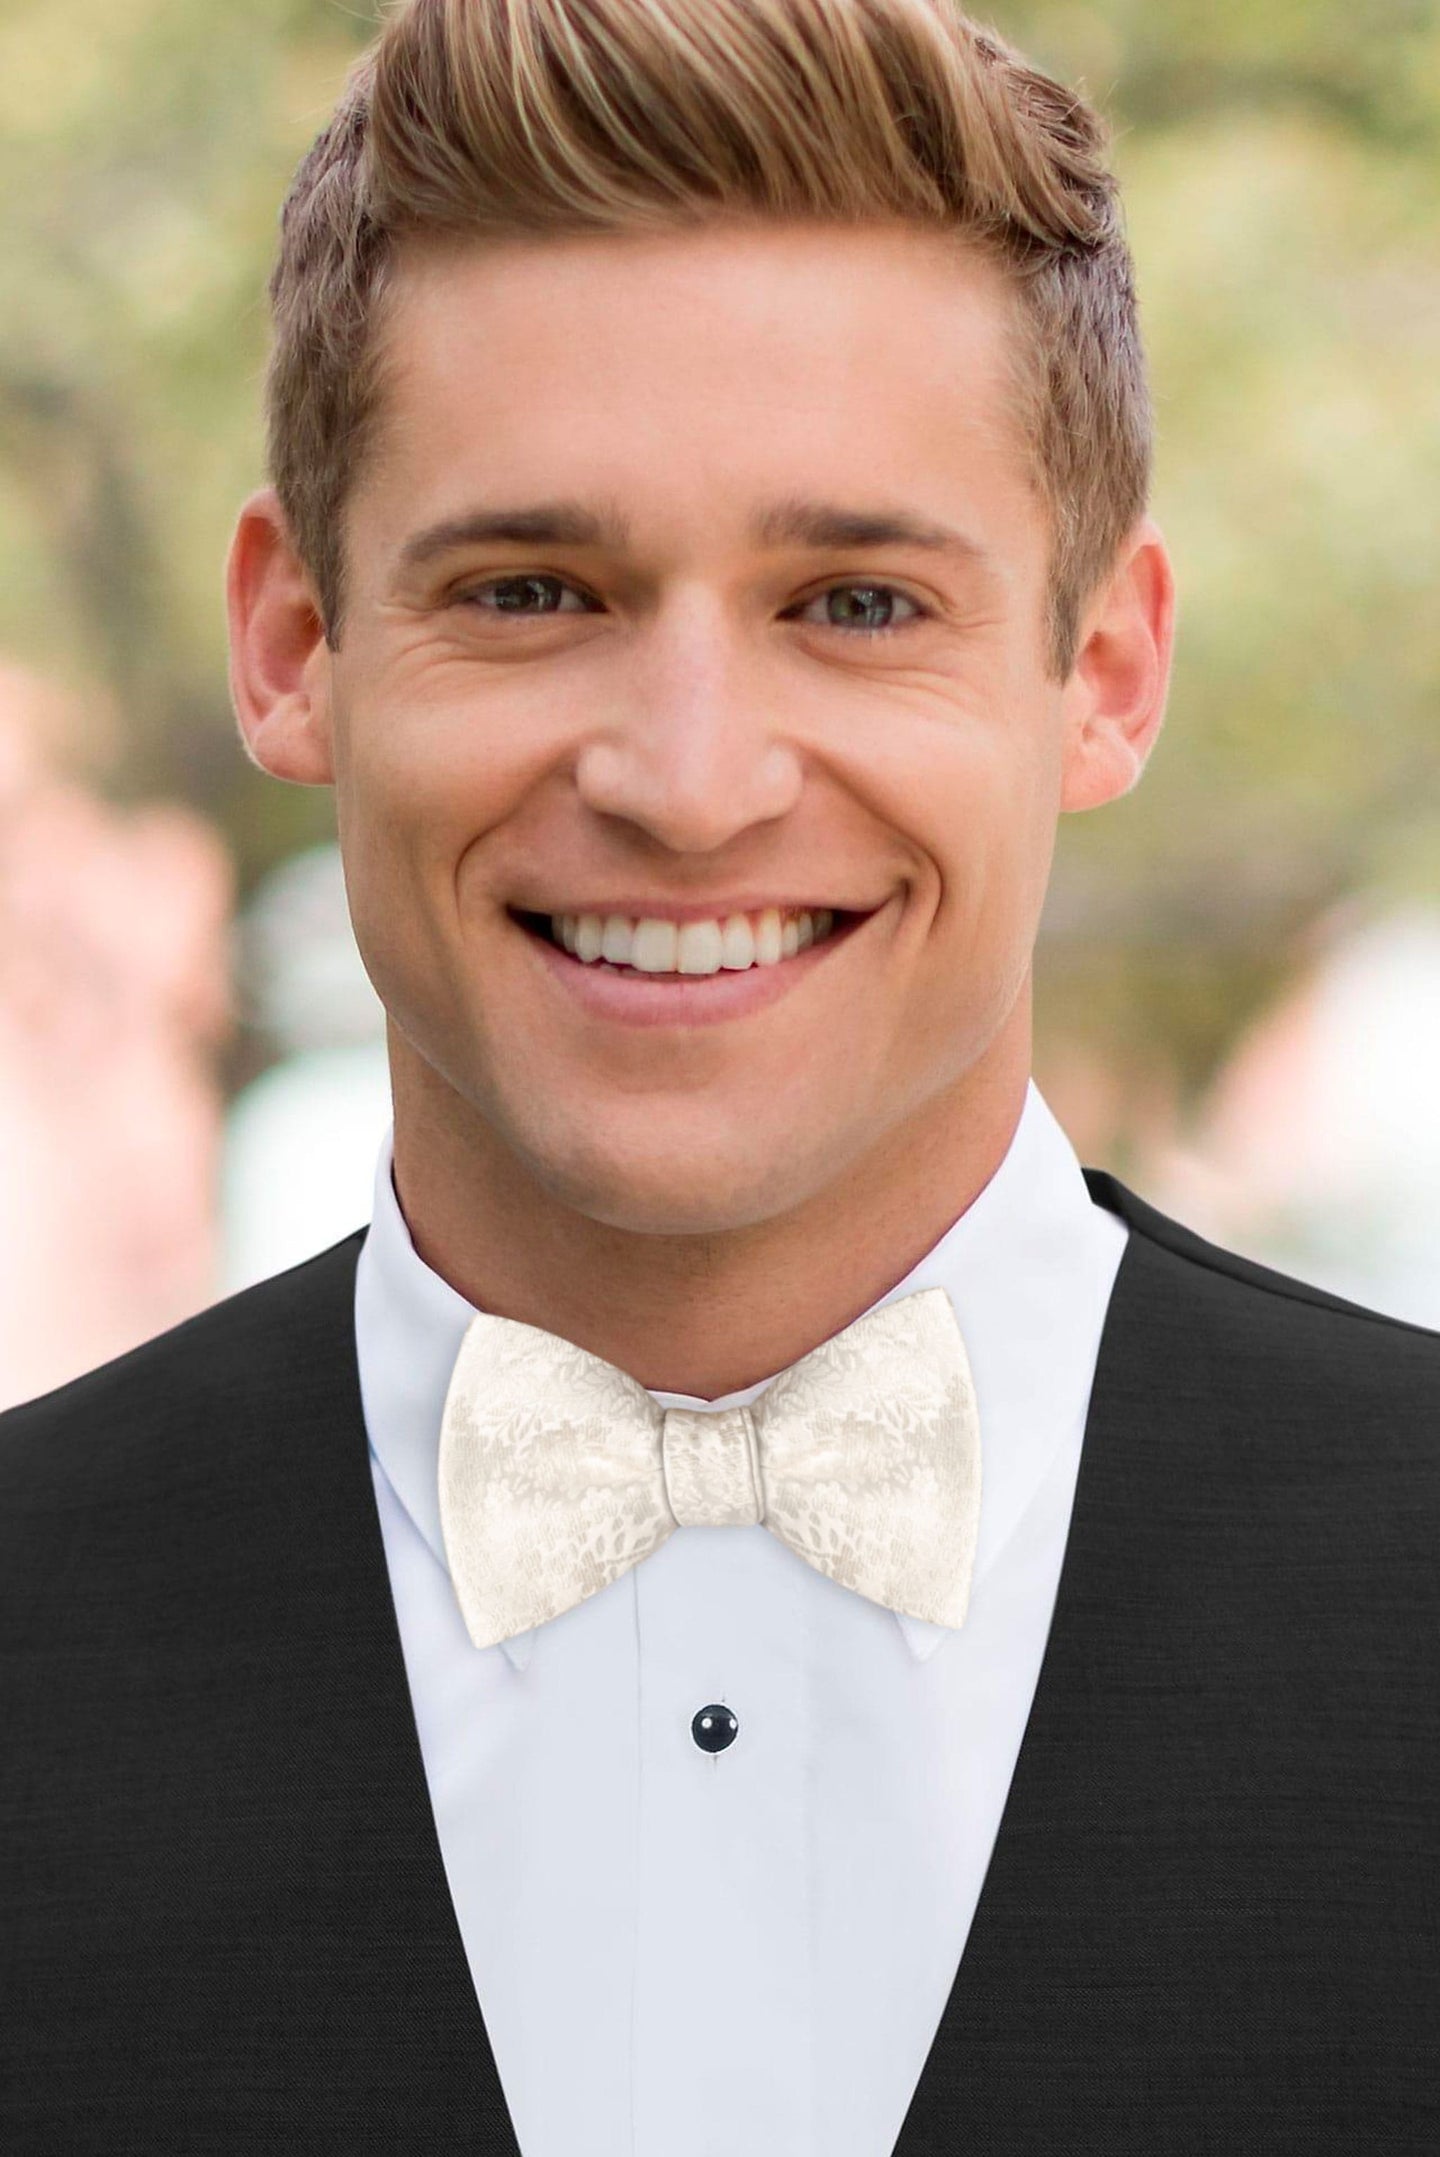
(796, 522)
(792, 522)
(544, 524)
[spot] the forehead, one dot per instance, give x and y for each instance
(710, 364)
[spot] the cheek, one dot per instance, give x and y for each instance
(983, 819)
(417, 787)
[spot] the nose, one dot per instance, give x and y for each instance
(693, 751)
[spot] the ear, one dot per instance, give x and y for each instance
(1114, 701)
(280, 677)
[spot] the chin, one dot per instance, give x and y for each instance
(678, 1190)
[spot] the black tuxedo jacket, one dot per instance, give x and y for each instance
(1209, 1923)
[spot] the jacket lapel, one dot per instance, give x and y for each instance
(1124, 1946)
(371, 1977)
(1058, 1896)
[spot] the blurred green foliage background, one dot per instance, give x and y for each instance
(1281, 170)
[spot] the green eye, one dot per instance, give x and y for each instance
(528, 594)
(868, 608)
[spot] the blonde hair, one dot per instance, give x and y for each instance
(512, 117)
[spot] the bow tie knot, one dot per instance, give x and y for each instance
(558, 1471)
(711, 1463)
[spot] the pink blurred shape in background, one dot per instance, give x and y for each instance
(114, 931)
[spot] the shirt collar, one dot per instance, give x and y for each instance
(1028, 1268)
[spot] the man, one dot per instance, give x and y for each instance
(760, 1608)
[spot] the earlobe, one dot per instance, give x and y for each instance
(1114, 701)
(279, 661)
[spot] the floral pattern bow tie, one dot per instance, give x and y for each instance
(558, 1472)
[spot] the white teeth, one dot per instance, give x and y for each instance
(589, 934)
(655, 946)
(767, 938)
(652, 947)
(615, 940)
(737, 942)
(700, 948)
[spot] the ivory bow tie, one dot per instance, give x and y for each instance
(558, 1472)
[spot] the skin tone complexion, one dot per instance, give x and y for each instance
(696, 770)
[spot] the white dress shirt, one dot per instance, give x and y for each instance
(745, 1953)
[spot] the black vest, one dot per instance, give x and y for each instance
(1209, 1923)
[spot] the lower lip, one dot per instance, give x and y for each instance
(687, 999)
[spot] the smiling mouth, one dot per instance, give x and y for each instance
(674, 951)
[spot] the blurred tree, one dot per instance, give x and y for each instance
(1283, 198)
(1283, 201)
(145, 146)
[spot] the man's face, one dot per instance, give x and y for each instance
(690, 685)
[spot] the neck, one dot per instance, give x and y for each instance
(700, 1314)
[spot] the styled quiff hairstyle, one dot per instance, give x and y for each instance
(563, 117)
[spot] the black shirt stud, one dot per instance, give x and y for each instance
(714, 1728)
